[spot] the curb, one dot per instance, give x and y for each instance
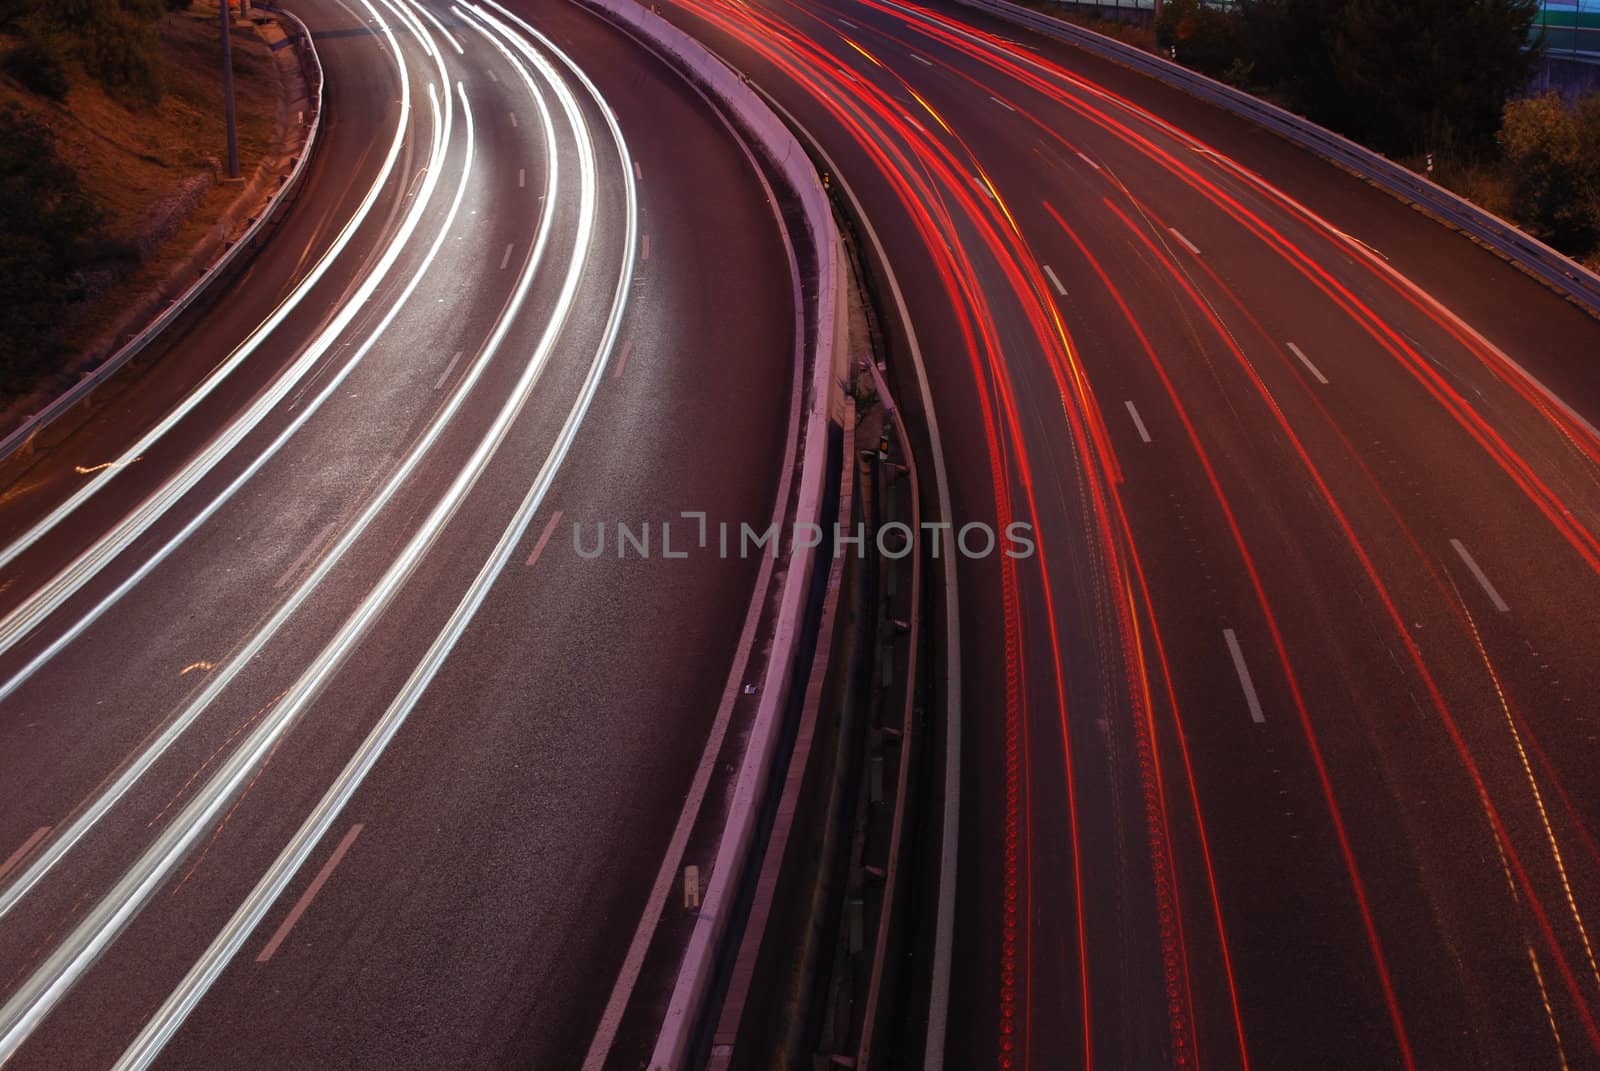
(21, 438)
(1558, 272)
(822, 419)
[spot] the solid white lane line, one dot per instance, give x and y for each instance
(522, 178)
(1478, 574)
(505, 258)
(1187, 244)
(544, 537)
(922, 60)
(310, 548)
(1002, 103)
(27, 846)
(1313, 369)
(1054, 280)
(451, 367)
(1138, 423)
(622, 359)
(1088, 161)
(1244, 677)
(310, 894)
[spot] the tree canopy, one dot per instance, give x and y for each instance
(1405, 77)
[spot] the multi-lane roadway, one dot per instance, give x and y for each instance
(1279, 752)
(323, 746)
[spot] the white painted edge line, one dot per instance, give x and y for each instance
(1138, 422)
(1054, 280)
(300, 905)
(1190, 246)
(1245, 682)
(712, 77)
(1479, 576)
(933, 1048)
(1313, 369)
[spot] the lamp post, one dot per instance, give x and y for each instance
(226, 7)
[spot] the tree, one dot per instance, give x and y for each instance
(1555, 170)
(45, 216)
(1423, 75)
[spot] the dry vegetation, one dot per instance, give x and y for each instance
(150, 168)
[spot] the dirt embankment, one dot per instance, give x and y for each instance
(156, 172)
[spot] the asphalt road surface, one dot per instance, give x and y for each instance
(323, 745)
(1279, 752)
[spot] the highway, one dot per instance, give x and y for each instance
(323, 743)
(1279, 751)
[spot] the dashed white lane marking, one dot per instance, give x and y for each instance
(448, 368)
(1054, 280)
(1187, 244)
(1313, 369)
(1245, 682)
(505, 258)
(310, 894)
(513, 118)
(622, 358)
(492, 76)
(847, 22)
(544, 537)
(1138, 422)
(311, 547)
(522, 178)
(1088, 161)
(983, 187)
(1002, 103)
(644, 252)
(1477, 573)
(22, 852)
(922, 60)
(691, 887)
(638, 172)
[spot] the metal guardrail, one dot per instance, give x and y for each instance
(86, 386)
(1550, 267)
